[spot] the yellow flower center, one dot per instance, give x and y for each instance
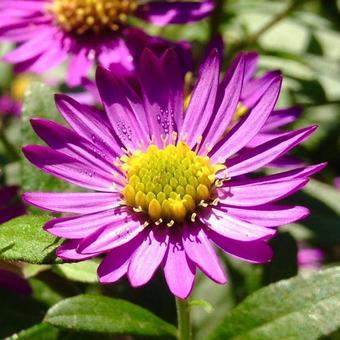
(83, 16)
(170, 184)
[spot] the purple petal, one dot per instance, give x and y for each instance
(260, 193)
(71, 144)
(253, 252)
(251, 61)
(199, 250)
(176, 12)
(68, 251)
(69, 202)
(253, 159)
(164, 108)
(82, 226)
(202, 101)
(282, 117)
(229, 91)
(116, 263)
(112, 235)
(67, 168)
(89, 124)
(228, 226)
(179, 270)
(248, 127)
(123, 108)
(148, 257)
(268, 215)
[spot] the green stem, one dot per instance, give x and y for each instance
(183, 317)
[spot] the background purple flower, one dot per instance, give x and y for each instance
(145, 144)
(50, 31)
(10, 206)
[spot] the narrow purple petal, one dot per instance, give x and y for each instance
(260, 193)
(116, 262)
(111, 236)
(268, 215)
(68, 251)
(228, 226)
(82, 226)
(67, 168)
(199, 250)
(282, 117)
(261, 155)
(89, 125)
(179, 270)
(69, 202)
(253, 252)
(249, 126)
(201, 106)
(148, 257)
(230, 91)
(123, 109)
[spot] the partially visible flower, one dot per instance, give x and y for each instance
(86, 32)
(11, 277)
(310, 258)
(10, 103)
(167, 182)
(337, 182)
(10, 206)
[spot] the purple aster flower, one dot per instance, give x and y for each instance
(11, 278)
(310, 258)
(166, 184)
(337, 182)
(50, 31)
(10, 273)
(9, 206)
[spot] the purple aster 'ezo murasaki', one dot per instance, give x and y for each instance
(168, 183)
(50, 31)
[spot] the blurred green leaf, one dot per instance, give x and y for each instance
(23, 239)
(41, 331)
(298, 308)
(85, 271)
(101, 314)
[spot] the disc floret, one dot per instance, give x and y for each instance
(83, 16)
(170, 184)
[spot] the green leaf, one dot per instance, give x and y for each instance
(38, 102)
(23, 239)
(41, 331)
(92, 313)
(298, 308)
(85, 271)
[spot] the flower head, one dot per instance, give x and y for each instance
(51, 31)
(168, 182)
